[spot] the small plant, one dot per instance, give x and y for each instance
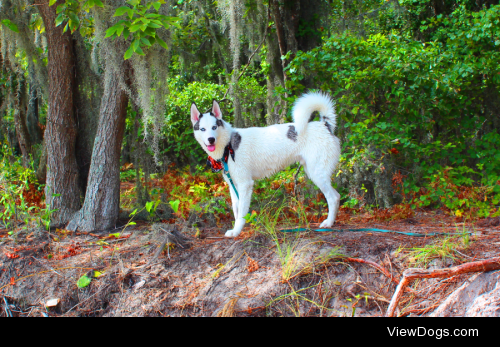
(448, 248)
(151, 207)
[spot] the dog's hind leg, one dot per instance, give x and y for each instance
(322, 178)
(245, 191)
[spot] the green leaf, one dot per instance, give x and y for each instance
(175, 205)
(75, 21)
(127, 56)
(120, 11)
(84, 281)
(146, 41)
(156, 5)
(126, 33)
(161, 42)
(120, 30)
(59, 20)
(110, 32)
(10, 25)
(52, 2)
(139, 51)
(61, 8)
(135, 28)
(97, 274)
(154, 25)
(99, 3)
(135, 46)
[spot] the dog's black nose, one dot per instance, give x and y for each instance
(211, 140)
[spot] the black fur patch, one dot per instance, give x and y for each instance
(220, 123)
(235, 140)
(292, 133)
(197, 126)
(329, 127)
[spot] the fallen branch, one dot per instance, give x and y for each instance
(413, 274)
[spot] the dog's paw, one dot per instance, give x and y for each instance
(326, 224)
(232, 233)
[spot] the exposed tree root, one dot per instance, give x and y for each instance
(413, 274)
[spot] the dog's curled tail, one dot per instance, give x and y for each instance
(312, 102)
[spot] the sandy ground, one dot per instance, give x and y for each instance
(304, 274)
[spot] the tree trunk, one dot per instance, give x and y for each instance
(41, 172)
(280, 31)
(62, 191)
(102, 201)
(33, 110)
(23, 136)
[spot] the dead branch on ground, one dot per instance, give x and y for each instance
(413, 274)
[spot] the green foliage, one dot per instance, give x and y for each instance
(70, 12)
(180, 141)
(422, 106)
(141, 25)
(14, 180)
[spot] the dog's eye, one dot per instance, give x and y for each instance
(214, 127)
(203, 129)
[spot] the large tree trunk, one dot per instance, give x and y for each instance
(102, 201)
(62, 192)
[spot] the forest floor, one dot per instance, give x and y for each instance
(200, 273)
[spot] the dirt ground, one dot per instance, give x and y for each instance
(204, 274)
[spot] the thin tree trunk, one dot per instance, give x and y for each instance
(102, 201)
(22, 132)
(32, 118)
(62, 191)
(283, 50)
(41, 172)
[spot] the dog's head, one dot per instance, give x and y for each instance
(209, 129)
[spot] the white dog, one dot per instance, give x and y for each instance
(255, 153)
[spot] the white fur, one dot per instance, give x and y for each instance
(265, 151)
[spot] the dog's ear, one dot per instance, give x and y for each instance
(216, 110)
(195, 114)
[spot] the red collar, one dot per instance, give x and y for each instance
(216, 165)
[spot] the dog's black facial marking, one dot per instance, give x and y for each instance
(197, 125)
(219, 121)
(329, 127)
(292, 133)
(235, 140)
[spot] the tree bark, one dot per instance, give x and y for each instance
(23, 136)
(102, 200)
(41, 172)
(33, 110)
(62, 191)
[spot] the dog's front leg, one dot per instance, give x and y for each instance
(234, 197)
(245, 191)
